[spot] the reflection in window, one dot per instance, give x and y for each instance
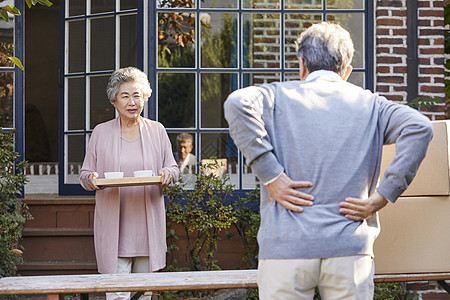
(6, 99)
(303, 4)
(176, 32)
(345, 4)
(6, 42)
(294, 24)
(261, 40)
(102, 44)
(75, 90)
(176, 99)
(101, 110)
(218, 3)
(219, 40)
(259, 78)
(221, 146)
(215, 88)
(261, 4)
(354, 23)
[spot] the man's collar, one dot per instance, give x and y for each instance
(321, 73)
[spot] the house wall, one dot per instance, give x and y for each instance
(391, 52)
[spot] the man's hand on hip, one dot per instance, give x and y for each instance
(360, 209)
(283, 190)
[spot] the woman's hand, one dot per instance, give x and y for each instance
(166, 178)
(91, 183)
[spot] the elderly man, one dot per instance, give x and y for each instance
(316, 145)
(186, 160)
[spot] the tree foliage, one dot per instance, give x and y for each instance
(13, 212)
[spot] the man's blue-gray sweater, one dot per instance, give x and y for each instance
(329, 132)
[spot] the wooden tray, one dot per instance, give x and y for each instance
(128, 181)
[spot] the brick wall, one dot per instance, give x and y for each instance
(391, 55)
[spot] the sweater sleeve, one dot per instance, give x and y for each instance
(244, 110)
(411, 132)
(168, 160)
(90, 161)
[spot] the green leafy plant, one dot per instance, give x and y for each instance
(203, 213)
(13, 212)
(9, 9)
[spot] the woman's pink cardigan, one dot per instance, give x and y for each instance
(102, 155)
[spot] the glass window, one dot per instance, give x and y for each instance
(6, 99)
(96, 43)
(236, 43)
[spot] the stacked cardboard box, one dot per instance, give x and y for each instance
(415, 231)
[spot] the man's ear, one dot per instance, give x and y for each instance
(347, 73)
(303, 70)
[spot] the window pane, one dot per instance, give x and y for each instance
(294, 25)
(128, 41)
(259, 78)
(218, 4)
(6, 99)
(77, 40)
(176, 100)
(222, 147)
(75, 103)
(77, 7)
(215, 88)
(261, 4)
(357, 78)
(219, 40)
(102, 44)
(303, 4)
(75, 156)
(6, 42)
(354, 23)
(249, 180)
(187, 170)
(172, 52)
(261, 40)
(102, 6)
(345, 4)
(128, 4)
(174, 4)
(291, 76)
(101, 110)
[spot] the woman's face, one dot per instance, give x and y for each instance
(129, 101)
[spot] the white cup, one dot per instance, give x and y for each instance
(143, 173)
(109, 175)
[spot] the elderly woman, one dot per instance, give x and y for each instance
(129, 222)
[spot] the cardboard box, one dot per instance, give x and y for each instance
(415, 236)
(433, 176)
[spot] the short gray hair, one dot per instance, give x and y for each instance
(325, 46)
(185, 137)
(129, 74)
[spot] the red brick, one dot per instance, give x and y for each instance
(390, 22)
(435, 296)
(424, 79)
(431, 89)
(398, 50)
(424, 61)
(383, 69)
(424, 4)
(382, 12)
(431, 13)
(438, 23)
(401, 31)
(392, 79)
(400, 88)
(389, 60)
(437, 51)
(383, 50)
(399, 13)
(402, 69)
(389, 3)
(382, 88)
(389, 41)
(383, 31)
(431, 70)
(394, 97)
(438, 41)
(424, 23)
(428, 32)
(438, 60)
